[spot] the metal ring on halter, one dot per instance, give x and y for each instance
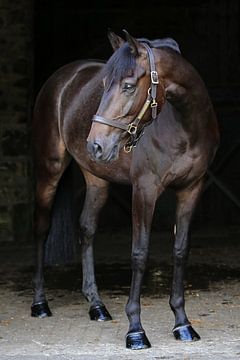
(127, 148)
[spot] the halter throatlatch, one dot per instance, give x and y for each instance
(132, 128)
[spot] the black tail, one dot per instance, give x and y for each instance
(61, 244)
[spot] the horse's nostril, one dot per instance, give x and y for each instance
(97, 150)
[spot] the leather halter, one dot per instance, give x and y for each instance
(132, 128)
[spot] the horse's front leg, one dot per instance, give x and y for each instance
(186, 204)
(143, 203)
(96, 195)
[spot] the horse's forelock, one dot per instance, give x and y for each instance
(120, 65)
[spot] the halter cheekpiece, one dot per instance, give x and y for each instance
(132, 128)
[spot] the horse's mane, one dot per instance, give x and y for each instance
(162, 43)
(122, 63)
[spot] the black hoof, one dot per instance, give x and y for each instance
(99, 313)
(185, 333)
(137, 341)
(40, 310)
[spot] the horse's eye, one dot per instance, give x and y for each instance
(129, 88)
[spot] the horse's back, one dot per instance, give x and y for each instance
(55, 85)
(50, 99)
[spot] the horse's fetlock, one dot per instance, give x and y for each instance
(37, 282)
(89, 289)
(132, 308)
(176, 303)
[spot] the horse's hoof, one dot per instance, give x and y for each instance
(40, 310)
(99, 313)
(185, 333)
(137, 341)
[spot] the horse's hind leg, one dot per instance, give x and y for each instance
(48, 176)
(186, 204)
(96, 195)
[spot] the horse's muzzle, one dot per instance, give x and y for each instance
(100, 153)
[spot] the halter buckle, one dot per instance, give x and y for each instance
(132, 129)
(154, 77)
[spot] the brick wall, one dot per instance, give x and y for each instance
(16, 62)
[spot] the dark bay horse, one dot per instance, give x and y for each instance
(144, 118)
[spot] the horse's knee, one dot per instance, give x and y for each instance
(139, 257)
(180, 255)
(87, 231)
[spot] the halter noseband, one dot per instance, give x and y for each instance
(132, 128)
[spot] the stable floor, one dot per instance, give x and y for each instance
(212, 301)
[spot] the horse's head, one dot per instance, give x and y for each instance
(132, 97)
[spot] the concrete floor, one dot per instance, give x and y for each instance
(212, 302)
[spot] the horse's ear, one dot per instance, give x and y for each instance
(133, 43)
(115, 40)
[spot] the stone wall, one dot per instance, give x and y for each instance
(16, 65)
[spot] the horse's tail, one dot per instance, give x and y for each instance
(61, 244)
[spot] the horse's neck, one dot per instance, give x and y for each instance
(184, 88)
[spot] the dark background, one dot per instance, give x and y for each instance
(58, 32)
(207, 32)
